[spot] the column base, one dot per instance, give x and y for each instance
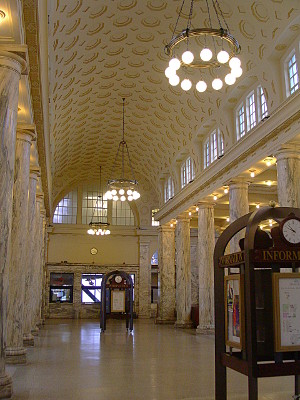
(15, 355)
(5, 386)
(160, 321)
(35, 331)
(28, 340)
(183, 324)
(205, 330)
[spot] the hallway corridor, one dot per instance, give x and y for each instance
(71, 360)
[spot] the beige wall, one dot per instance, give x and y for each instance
(75, 247)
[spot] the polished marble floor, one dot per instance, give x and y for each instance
(72, 360)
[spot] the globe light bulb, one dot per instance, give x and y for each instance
(91, 232)
(135, 195)
(97, 233)
(130, 198)
(107, 232)
(217, 84)
(108, 195)
(169, 72)
(123, 198)
(174, 80)
(129, 192)
(206, 54)
(230, 79)
(187, 57)
(201, 86)
(114, 192)
(121, 191)
(234, 63)
(237, 72)
(186, 84)
(223, 57)
(115, 198)
(174, 63)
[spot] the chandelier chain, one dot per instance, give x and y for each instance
(129, 161)
(220, 10)
(179, 15)
(214, 6)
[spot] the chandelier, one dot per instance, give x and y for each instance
(206, 49)
(123, 188)
(99, 227)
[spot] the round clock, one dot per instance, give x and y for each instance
(290, 230)
(118, 279)
(94, 251)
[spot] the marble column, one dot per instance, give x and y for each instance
(206, 246)
(37, 264)
(183, 272)
(288, 176)
(166, 265)
(238, 206)
(11, 68)
(28, 339)
(15, 353)
(145, 279)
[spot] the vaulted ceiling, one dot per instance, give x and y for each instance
(101, 51)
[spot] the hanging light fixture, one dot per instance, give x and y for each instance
(98, 227)
(123, 188)
(203, 49)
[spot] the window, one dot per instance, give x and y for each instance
(91, 288)
(206, 154)
(122, 213)
(293, 79)
(251, 112)
(154, 223)
(187, 172)
(169, 189)
(241, 122)
(66, 210)
(92, 205)
(213, 147)
(263, 109)
(61, 288)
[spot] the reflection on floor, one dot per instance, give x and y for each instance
(72, 360)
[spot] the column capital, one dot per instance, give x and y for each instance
(287, 151)
(26, 132)
(166, 228)
(205, 205)
(14, 57)
(40, 198)
(144, 240)
(34, 172)
(183, 217)
(237, 183)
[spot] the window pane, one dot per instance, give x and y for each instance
(66, 207)
(293, 74)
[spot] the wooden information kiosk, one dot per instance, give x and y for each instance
(116, 297)
(257, 309)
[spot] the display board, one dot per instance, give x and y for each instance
(286, 300)
(118, 300)
(233, 311)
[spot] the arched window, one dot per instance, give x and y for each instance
(292, 74)
(187, 172)
(92, 205)
(252, 110)
(122, 213)
(213, 147)
(66, 210)
(169, 189)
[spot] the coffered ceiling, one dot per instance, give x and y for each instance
(101, 51)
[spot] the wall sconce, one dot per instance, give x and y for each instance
(215, 197)
(252, 173)
(257, 205)
(197, 209)
(226, 190)
(227, 219)
(269, 161)
(269, 183)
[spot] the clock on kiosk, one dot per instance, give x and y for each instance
(290, 230)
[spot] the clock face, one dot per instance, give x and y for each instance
(94, 251)
(118, 279)
(291, 230)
